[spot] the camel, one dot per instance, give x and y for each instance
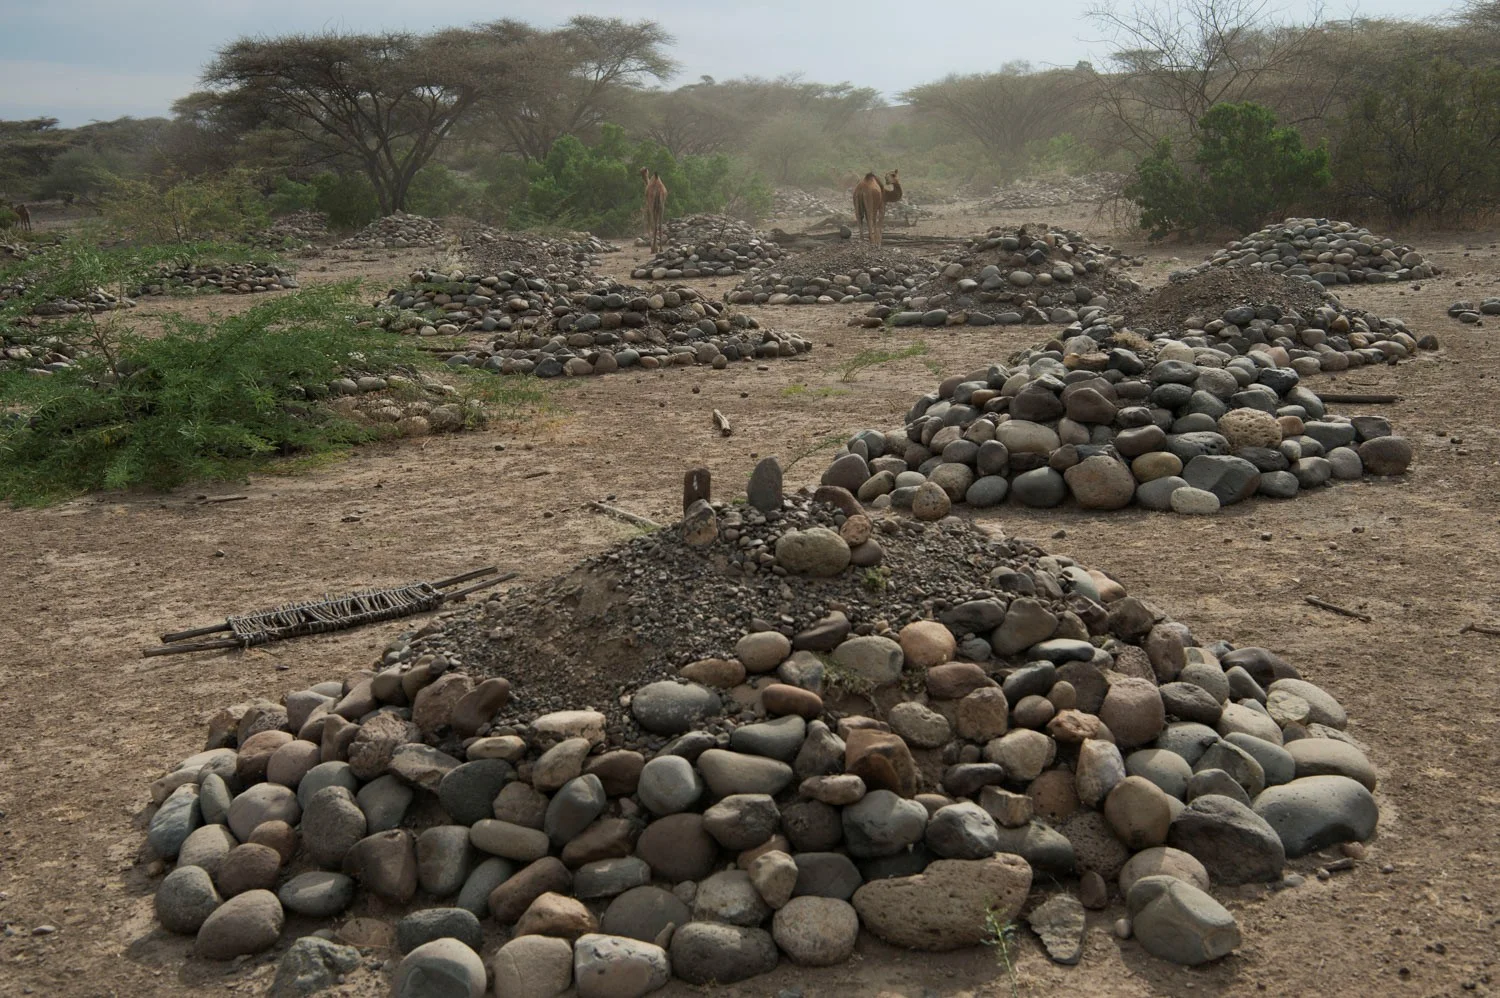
(870, 198)
(656, 206)
(893, 179)
(23, 215)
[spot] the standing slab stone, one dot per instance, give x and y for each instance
(697, 483)
(765, 489)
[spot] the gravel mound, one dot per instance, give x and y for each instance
(790, 202)
(1327, 251)
(1053, 192)
(229, 279)
(398, 231)
(298, 227)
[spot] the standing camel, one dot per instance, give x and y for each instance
(869, 207)
(656, 206)
(893, 194)
(23, 215)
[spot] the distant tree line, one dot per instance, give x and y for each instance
(1221, 112)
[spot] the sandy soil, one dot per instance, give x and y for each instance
(85, 723)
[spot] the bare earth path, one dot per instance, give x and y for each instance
(85, 723)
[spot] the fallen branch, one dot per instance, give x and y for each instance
(1335, 608)
(209, 500)
(1354, 399)
(627, 516)
(721, 421)
(1480, 629)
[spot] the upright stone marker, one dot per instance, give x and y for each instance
(696, 484)
(764, 491)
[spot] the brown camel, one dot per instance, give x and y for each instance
(656, 206)
(869, 207)
(893, 179)
(23, 216)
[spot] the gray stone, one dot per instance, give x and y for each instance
(468, 792)
(317, 894)
(1176, 921)
(1317, 811)
(326, 774)
(607, 878)
(206, 847)
(574, 808)
(247, 923)
(1059, 922)
(826, 874)
(532, 966)
(438, 923)
(962, 831)
(668, 708)
(1236, 763)
(184, 900)
(312, 964)
(708, 952)
(474, 896)
(617, 967)
(816, 931)
(730, 897)
(777, 739)
(384, 801)
(643, 913)
(1041, 488)
(1234, 844)
(735, 773)
(443, 968)
(764, 491)
(742, 821)
(174, 821)
(261, 803)
(422, 765)
(1187, 739)
(331, 825)
(445, 858)
(874, 659)
(1165, 768)
(816, 551)
(669, 784)
(1276, 764)
(1042, 846)
(882, 824)
(1324, 709)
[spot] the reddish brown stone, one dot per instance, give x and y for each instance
(781, 698)
(882, 760)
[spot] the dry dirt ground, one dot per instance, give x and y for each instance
(85, 723)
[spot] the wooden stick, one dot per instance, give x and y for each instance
(1334, 608)
(196, 632)
(1480, 629)
(207, 500)
(722, 422)
(179, 649)
(1356, 399)
(628, 517)
(479, 585)
(465, 577)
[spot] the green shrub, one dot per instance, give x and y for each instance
(287, 196)
(8, 218)
(437, 191)
(202, 401)
(347, 199)
(228, 204)
(1245, 170)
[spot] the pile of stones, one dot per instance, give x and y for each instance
(839, 274)
(41, 355)
(1193, 430)
(963, 742)
(1314, 329)
(97, 300)
(1053, 192)
(707, 246)
(1009, 276)
(1329, 252)
(388, 399)
(791, 202)
(570, 259)
(297, 228)
(229, 279)
(397, 231)
(1469, 313)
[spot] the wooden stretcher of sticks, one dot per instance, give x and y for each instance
(332, 613)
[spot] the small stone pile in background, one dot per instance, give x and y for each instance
(578, 327)
(41, 355)
(97, 300)
(570, 259)
(1053, 192)
(1329, 252)
(229, 279)
(791, 202)
(707, 246)
(1192, 430)
(838, 274)
(1315, 329)
(1008, 276)
(988, 733)
(398, 231)
(387, 398)
(298, 228)
(1471, 314)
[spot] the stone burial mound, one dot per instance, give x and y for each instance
(837, 274)
(210, 278)
(300, 228)
(1191, 431)
(1296, 322)
(1008, 276)
(723, 744)
(791, 202)
(397, 231)
(707, 246)
(1053, 192)
(570, 258)
(80, 302)
(575, 328)
(1329, 252)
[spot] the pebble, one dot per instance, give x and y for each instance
(441, 967)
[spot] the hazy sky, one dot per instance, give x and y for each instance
(79, 60)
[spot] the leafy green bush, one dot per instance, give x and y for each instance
(8, 218)
(288, 195)
(199, 402)
(228, 204)
(437, 191)
(1424, 142)
(1245, 170)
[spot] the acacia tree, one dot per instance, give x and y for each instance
(570, 80)
(384, 101)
